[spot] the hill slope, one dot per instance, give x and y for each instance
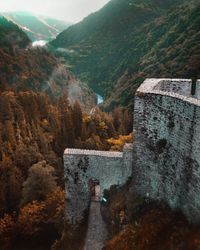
(127, 41)
(37, 27)
(12, 35)
(23, 67)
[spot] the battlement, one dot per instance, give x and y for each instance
(177, 88)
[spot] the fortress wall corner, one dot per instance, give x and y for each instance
(167, 146)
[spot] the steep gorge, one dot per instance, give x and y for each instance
(23, 67)
(116, 48)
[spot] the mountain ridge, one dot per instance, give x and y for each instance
(37, 27)
(24, 67)
(112, 55)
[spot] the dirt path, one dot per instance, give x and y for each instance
(97, 232)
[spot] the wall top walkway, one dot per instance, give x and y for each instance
(73, 151)
(162, 87)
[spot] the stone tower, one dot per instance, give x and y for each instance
(167, 144)
(164, 159)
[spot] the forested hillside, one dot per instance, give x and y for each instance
(38, 120)
(12, 35)
(34, 131)
(23, 67)
(127, 41)
(35, 26)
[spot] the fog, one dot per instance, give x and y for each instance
(68, 10)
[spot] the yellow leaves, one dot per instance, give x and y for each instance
(103, 125)
(86, 118)
(117, 144)
(45, 123)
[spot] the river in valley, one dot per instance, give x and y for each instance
(99, 99)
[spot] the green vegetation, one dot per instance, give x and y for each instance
(12, 35)
(24, 67)
(37, 27)
(128, 41)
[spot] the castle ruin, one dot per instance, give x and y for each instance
(164, 160)
(82, 166)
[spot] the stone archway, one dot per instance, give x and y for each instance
(81, 166)
(94, 189)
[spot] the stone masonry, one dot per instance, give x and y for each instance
(164, 160)
(80, 166)
(167, 144)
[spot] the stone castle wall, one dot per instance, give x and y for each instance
(167, 144)
(80, 166)
(164, 160)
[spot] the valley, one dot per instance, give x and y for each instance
(100, 99)
(37, 27)
(115, 50)
(71, 87)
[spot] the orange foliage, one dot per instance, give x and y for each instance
(54, 205)
(30, 218)
(7, 229)
(117, 144)
(159, 228)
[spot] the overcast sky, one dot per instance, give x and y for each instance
(69, 10)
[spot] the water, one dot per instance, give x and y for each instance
(39, 43)
(99, 99)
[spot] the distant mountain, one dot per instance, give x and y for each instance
(126, 41)
(37, 27)
(23, 67)
(12, 35)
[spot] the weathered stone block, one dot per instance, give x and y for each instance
(167, 144)
(80, 166)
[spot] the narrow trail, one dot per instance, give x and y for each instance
(97, 231)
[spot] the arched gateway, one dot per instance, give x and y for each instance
(86, 169)
(166, 150)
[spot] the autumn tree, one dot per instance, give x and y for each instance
(116, 118)
(7, 231)
(39, 183)
(55, 204)
(11, 184)
(30, 218)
